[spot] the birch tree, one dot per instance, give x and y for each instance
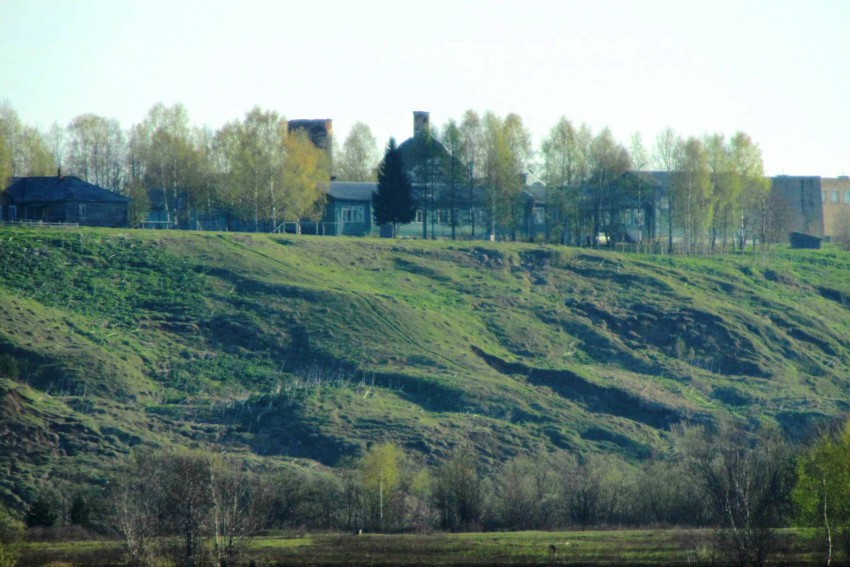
(471, 147)
(691, 189)
(162, 154)
(380, 470)
(666, 155)
(358, 159)
(753, 187)
(96, 150)
(562, 176)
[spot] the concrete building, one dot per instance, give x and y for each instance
(817, 206)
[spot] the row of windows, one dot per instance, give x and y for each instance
(35, 212)
(443, 216)
(353, 214)
(832, 196)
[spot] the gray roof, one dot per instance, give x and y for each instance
(59, 189)
(536, 191)
(351, 190)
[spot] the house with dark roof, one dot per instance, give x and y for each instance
(348, 210)
(64, 200)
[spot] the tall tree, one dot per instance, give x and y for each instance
(691, 189)
(5, 160)
(822, 491)
(262, 153)
(162, 154)
(505, 151)
(454, 172)
(25, 151)
(226, 155)
(608, 161)
(753, 187)
(305, 177)
(668, 148)
(359, 156)
(562, 173)
(471, 146)
(459, 491)
(96, 150)
(393, 201)
(518, 140)
(746, 478)
(640, 162)
(723, 197)
(381, 476)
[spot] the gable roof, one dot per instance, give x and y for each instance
(417, 150)
(351, 190)
(59, 189)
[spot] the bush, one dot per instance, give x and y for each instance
(10, 534)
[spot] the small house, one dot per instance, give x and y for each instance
(348, 210)
(64, 200)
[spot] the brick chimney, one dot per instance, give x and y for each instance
(421, 122)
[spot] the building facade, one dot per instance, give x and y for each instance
(64, 200)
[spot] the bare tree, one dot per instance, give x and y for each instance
(459, 492)
(746, 478)
(232, 511)
(136, 505)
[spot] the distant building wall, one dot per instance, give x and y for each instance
(802, 197)
(836, 205)
(320, 131)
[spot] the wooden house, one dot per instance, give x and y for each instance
(348, 210)
(63, 200)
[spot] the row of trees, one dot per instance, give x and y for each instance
(744, 481)
(257, 174)
(252, 170)
(712, 191)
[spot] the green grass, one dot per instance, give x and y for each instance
(613, 547)
(291, 348)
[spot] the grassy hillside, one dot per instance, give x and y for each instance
(309, 348)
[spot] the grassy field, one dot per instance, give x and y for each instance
(627, 548)
(302, 350)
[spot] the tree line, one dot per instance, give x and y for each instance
(257, 174)
(200, 508)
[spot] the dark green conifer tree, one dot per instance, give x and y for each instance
(41, 513)
(392, 203)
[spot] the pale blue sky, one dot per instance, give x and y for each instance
(778, 70)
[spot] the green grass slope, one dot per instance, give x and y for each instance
(305, 348)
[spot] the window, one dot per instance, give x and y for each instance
(352, 214)
(13, 213)
(847, 197)
(419, 216)
(538, 215)
(834, 196)
(81, 212)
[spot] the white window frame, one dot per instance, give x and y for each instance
(538, 215)
(353, 213)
